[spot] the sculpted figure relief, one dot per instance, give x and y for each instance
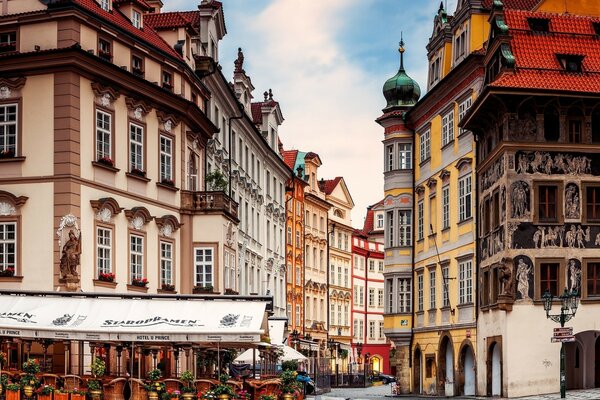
(69, 259)
(519, 201)
(523, 271)
(505, 276)
(572, 201)
(574, 276)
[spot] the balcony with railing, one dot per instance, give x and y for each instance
(214, 202)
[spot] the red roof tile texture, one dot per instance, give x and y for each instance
(513, 4)
(370, 218)
(256, 113)
(327, 185)
(289, 157)
(168, 20)
(537, 63)
(140, 3)
(146, 34)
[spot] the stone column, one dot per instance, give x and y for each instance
(403, 367)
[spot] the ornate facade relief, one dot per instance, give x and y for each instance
(69, 241)
(572, 204)
(552, 163)
(519, 200)
(575, 236)
(11, 87)
(105, 209)
(506, 277)
(491, 175)
(574, 275)
(524, 277)
(138, 217)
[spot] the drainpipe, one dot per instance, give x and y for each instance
(230, 152)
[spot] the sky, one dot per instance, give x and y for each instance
(326, 62)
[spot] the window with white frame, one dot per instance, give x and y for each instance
(380, 266)
(105, 5)
(371, 297)
(380, 298)
(355, 328)
(166, 159)
(465, 282)
(445, 298)
(390, 295)
(448, 128)
(136, 257)
(346, 276)
(136, 148)
(446, 207)
(390, 228)
(103, 135)
(298, 276)
(381, 327)
(136, 19)
(229, 264)
(298, 319)
(166, 263)
(462, 110)
(103, 250)
(203, 266)
(404, 227)
(379, 219)
(371, 329)
(420, 291)
(346, 314)
(361, 296)
(420, 221)
(372, 265)
(424, 146)
(355, 295)
(464, 198)
(389, 157)
(332, 314)
(404, 295)
(8, 129)
(8, 246)
(404, 156)
(432, 279)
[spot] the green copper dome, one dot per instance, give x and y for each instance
(401, 90)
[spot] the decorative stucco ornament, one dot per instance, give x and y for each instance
(7, 209)
(105, 100)
(168, 126)
(5, 92)
(104, 215)
(166, 230)
(137, 113)
(137, 223)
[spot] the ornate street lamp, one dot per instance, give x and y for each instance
(569, 301)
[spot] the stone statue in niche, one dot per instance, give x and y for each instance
(523, 275)
(574, 275)
(520, 199)
(572, 201)
(527, 125)
(502, 203)
(69, 259)
(523, 164)
(505, 276)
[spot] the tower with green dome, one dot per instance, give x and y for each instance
(401, 93)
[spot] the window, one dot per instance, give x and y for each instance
(404, 227)
(298, 319)
(297, 238)
(103, 135)
(372, 265)
(104, 51)
(371, 297)
(298, 276)
(462, 110)
(465, 282)
(8, 130)
(371, 329)
(361, 296)
(136, 149)
(203, 266)
(167, 80)
(404, 156)
(105, 4)
(289, 235)
(447, 128)
(136, 19)
(420, 291)
(137, 66)
(547, 203)
(539, 25)
(8, 42)
(570, 63)
(380, 298)
(432, 303)
(166, 263)
(380, 266)
(136, 257)
(379, 223)
(390, 229)
(420, 215)
(446, 207)
(464, 198)
(549, 278)
(424, 146)
(104, 250)
(592, 203)
(193, 173)
(404, 295)
(8, 246)
(355, 329)
(381, 327)
(389, 149)
(166, 160)
(445, 298)
(593, 279)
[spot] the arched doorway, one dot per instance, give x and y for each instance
(597, 363)
(376, 363)
(446, 363)
(495, 378)
(417, 368)
(467, 371)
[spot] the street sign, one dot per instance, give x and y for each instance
(565, 330)
(562, 339)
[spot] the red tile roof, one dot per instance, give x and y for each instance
(146, 34)
(289, 157)
(514, 4)
(327, 185)
(256, 113)
(169, 20)
(537, 65)
(140, 3)
(370, 218)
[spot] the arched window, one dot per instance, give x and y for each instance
(551, 124)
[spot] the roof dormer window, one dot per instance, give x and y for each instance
(570, 62)
(105, 4)
(136, 19)
(539, 25)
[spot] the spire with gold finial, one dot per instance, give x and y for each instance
(400, 90)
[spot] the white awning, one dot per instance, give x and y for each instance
(289, 354)
(139, 320)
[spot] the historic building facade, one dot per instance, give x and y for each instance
(538, 129)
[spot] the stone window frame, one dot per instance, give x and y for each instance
(11, 213)
(584, 213)
(562, 265)
(584, 278)
(560, 215)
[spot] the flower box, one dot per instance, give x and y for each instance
(231, 292)
(61, 396)
(77, 396)
(10, 395)
(106, 161)
(168, 182)
(203, 289)
(7, 272)
(139, 282)
(138, 172)
(7, 153)
(44, 396)
(167, 287)
(106, 277)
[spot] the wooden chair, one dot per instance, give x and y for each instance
(172, 384)
(271, 387)
(71, 382)
(203, 385)
(237, 385)
(50, 380)
(138, 390)
(114, 389)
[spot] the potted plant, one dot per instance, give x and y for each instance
(138, 172)
(45, 392)
(170, 394)
(188, 389)
(223, 390)
(208, 395)
(168, 287)
(7, 272)
(29, 382)
(77, 394)
(61, 395)
(7, 153)
(153, 387)
(289, 385)
(106, 161)
(167, 181)
(13, 391)
(106, 277)
(140, 282)
(243, 395)
(267, 397)
(216, 181)
(3, 383)
(98, 368)
(203, 289)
